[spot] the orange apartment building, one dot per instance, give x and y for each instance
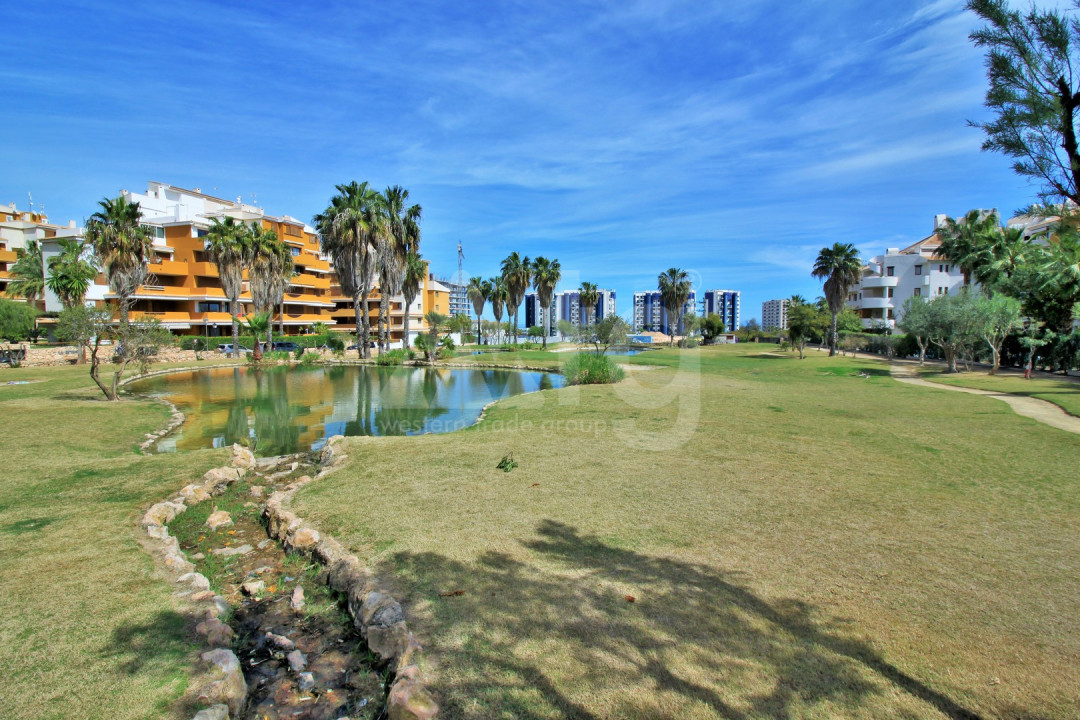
(17, 228)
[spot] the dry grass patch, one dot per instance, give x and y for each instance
(798, 541)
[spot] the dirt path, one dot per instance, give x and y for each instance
(1038, 410)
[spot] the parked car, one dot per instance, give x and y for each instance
(354, 346)
(227, 348)
(285, 347)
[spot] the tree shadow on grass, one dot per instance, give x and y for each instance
(164, 639)
(531, 643)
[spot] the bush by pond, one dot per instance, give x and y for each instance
(592, 369)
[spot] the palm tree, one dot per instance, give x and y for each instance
(840, 267)
(587, 298)
(967, 241)
(347, 229)
(28, 273)
(499, 297)
(122, 246)
(401, 237)
(70, 275)
(435, 322)
(478, 291)
(796, 300)
(516, 275)
(257, 323)
(674, 286)
(271, 266)
(546, 275)
(415, 270)
(228, 245)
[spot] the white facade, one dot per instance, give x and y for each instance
(774, 314)
(889, 280)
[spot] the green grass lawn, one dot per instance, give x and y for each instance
(89, 630)
(1064, 393)
(731, 534)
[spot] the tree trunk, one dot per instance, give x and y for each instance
(405, 325)
(235, 328)
(360, 345)
(543, 324)
(835, 340)
(515, 324)
(1069, 102)
(922, 350)
(94, 362)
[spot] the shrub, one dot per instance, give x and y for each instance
(276, 356)
(309, 358)
(336, 344)
(592, 369)
(393, 357)
(689, 342)
(446, 353)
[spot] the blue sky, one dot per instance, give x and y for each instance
(732, 139)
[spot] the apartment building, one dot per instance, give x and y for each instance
(566, 306)
(650, 315)
(774, 314)
(19, 227)
(459, 298)
(888, 280)
(725, 303)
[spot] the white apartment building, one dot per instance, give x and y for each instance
(889, 280)
(774, 314)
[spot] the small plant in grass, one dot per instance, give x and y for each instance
(592, 369)
(309, 358)
(507, 463)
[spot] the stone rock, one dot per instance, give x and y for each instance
(388, 641)
(253, 587)
(217, 633)
(178, 564)
(202, 596)
(408, 699)
(257, 491)
(158, 532)
(297, 600)
(380, 609)
(304, 538)
(194, 494)
(297, 661)
(242, 458)
(162, 513)
(196, 581)
(221, 477)
(280, 642)
(218, 519)
(198, 556)
(217, 712)
(306, 682)
(218, 606)
(230, 551)
(230, 689)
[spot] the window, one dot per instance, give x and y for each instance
(199, 232)
(918, 292)
(210, 307)
(292, 230)
(890, 271)
(891, 292)
(294, 251)
(918, 269)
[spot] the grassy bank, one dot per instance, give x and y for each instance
(89, 629)
(1063, 393)
(731, 534)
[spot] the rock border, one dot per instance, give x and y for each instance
(375, 613)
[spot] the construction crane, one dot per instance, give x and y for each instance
(460, 260)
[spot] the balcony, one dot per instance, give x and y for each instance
(162, 317)
(169, 267)
(203, 269)
(869, 323)
(8, 256)
(311, 262)
(306, 280)
(307, 299)
(303, 318)
(880, 281)
(212, 317)
(873, 303)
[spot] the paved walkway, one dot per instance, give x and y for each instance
(1039, 410)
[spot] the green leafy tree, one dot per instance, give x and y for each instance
(674, 287)
(132, 342)
(122, 247)
(955, 325)
(916, 322)
(712, 327)
(399, 236)
(412, 279)
(997, 318)
(77, 324)
(840, 267)
(546, 275)
(228, 245)
(478, 291)
(805, 322)
(27, 274)
(606, 333)
(347, 229)
(516, 276)
(568, 330)
(1033, 93)
(16, 320)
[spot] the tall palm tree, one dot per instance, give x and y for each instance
(271, 267)
(478, 291)
(400, 237)
(122, 246)
(796, 300)
(411, 281)
(546, 275)
(28, 273)
(347, 229)
(841, 268)
(966, 242)
(674, 287)
(516, 275)
(587, 298)
(228, 245)
(499, 298)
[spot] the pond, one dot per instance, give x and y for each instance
(281, 410)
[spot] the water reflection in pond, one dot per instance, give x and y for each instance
(284, 410)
